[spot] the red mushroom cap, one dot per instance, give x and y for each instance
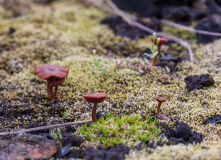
(160, 99)
(162, 41)
(46, 71)
(95, 97)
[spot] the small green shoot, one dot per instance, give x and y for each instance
(59, 133)
(66, 114)
(101, 68)
(154, 51)
(56, 135)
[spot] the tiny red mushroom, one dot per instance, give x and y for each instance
(95, 98)
(161, 42)
(55, 76)
(159, 115)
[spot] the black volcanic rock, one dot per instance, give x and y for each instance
(198, 81)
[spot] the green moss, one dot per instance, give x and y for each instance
(121, 130)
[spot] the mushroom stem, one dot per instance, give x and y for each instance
(158, 107)
(56, 93)
(50, 90)
(155, 58)
(94, 118)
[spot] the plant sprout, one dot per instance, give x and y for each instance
(154, 51)
(58, 135)
(101, 68)
(66, 114)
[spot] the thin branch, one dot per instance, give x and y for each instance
(132, 21)
(99, 4)
(42, 128)
(189, 28)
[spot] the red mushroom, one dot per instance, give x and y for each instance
(95, 98)
(159, 115)
(161, 42)
(55, 76)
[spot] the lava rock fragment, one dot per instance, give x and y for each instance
(112, 153)
(211, 23)
(213, 120)
(121, 28)
(73, 139)
(182, 134)
(198, 81)
(183, 131)
(63, 151)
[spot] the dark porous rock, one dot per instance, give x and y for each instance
(198, 81)
(12, 30)
(218, 2)
(170, 62)
(122, 29)
(213, 120)
(204, 103)
(120, 149)
(169, 57)
(183, 131)
(57, 102)
(74, 153)
(211, 23)
(63, 151)
(213, 8)
(70, 129)
(196, 137)
(174, 140)
(182, 134)
(178, 14)
(167, 131)
(142, 7)
(73, 139)
(112, 153)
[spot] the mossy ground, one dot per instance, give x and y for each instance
(66, 35)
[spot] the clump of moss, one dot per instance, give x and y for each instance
(121, 130)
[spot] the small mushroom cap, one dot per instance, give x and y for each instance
(95, 97)
(46, 71)
(160, 99)
(162, 41)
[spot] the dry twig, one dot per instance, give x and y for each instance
(132, 21)
(189, 28)
(42, 128)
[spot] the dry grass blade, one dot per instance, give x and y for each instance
(189, 28)
(43, 128)
(132, 21)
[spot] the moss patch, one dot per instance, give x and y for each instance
(121, 130)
